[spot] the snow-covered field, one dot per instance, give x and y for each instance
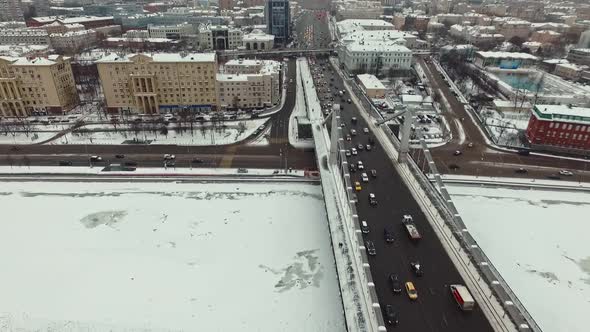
(538, 240)
(25, 138)
(166, 257)
(234, 131)
(504, 128)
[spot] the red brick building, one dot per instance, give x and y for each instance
(559, 126)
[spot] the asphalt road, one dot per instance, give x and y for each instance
(484, 160)
(278, 155)
(312, 28)
(435, 309)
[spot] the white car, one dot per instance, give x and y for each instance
(169, 157)
(95, 158)
(565, 172)
(366, 130)
(360, 165)
(347, 152)
(353, 151)
(365, 177)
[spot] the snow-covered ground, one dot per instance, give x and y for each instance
(232, 132)
(538, 240)
(25, 138)
(504, 128)
(166, 257)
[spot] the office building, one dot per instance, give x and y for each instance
(31, 85)
(159, 82)
(560, 126)
(11, 10)
(278, 20)
(249, 84)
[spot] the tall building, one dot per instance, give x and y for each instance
(29, 85)
(159, 82)
(11, 10)
(278, 20)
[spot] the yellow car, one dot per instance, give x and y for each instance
(412, 293)
(357, 186)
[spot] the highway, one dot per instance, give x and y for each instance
(435, 309)
(484, 160)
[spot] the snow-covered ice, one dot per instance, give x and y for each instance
(166, 256)
(538, 240)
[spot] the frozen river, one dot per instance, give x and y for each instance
(166, 257)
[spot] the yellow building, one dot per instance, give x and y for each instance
(159, 82)
(36, 85)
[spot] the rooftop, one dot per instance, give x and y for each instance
(352, 25)
(40, 61)
(370, 81)
(373, 46)
(563, 113)
(507, 55)
(160, 57)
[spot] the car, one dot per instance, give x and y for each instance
(354, 152)
(389, 235)
(565, 172)
(374, 173)
(353, 120)
(349, 101)
(366, 130)
(553, 177)
(130, 163)
(368, 147)
(371, 248)
(457, 153)
(524, 152)
(470, 145)
(391, 315)
(359, 165)
(360, 147)
(347, 153)
(348, 138)
(353, 132)
(521, 170)
(351, 168)
(396, 285)
(364, 227)
(169, 163)
(197, 161)
(417, 268)
(372, 199)
(119, 156)
(411, 290)
(65, 163)
(169, 157)
(357, 186)
(454, 167)
(364, 177)
(95, 158)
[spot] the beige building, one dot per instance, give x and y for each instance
(371, 85)
(249, 84)
(159, 82)
(31, 85)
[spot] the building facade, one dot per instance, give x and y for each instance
(11, 10)
(569, 71)
(258, 40)
(24, 36)
(505, 60)
(560, 126)
(374, 57)
(159, 82)
(30, 85)
(219, 37)
(178, 31)
(73, 41)
(580, 56)
(371, 85)
(278, 20)
(249, 84)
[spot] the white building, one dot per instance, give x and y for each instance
(374, 57)
(348, 26)
(258, 40)
(73, 41)
(249, 84)
(371, 86)
(358, 9)
(178, 31)
(24, 36)
(219, 37)
(385, 36)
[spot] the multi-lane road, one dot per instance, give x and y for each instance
(435, 309)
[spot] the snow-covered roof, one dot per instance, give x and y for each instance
(411, 99)
(140, 40)
(40, 61)
(555, 61)
(563, 113)
(373, 46)
(161, 57)
(233, 77)
(571, 66)
(507, 55)
(351, 25)
(370, 81)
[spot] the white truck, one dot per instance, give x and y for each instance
(411, 228)
(463, 298)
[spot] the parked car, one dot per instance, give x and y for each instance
(417, 268)
(360, 147)
(65, 163)
(391, 315)
(130, 163)
(553, 177)
(119, 156)
(169, 157)
(360, 165)
(565, 172)
(353, 120)
(365, 177)
(357, 186)
(197, 161)
(374, 173)
(524, 152)
(348, 138)
(169, 163)
(371, 248)
(364, 227)
(521, 170)
(95, 158)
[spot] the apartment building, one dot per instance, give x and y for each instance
(24, 36)
(504, 60)
(29, 85)
(72, 41)
(249, 84)
(569, 71)
(219, 37)
(258, 40)
(183, 30)
(159, 82)
(546, 36)
(559, 126)
(11, 10)
(374, 57)
(579, 55)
